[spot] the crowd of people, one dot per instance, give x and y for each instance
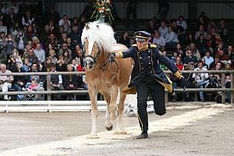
(30, 42)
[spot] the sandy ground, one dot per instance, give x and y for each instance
(193, 130)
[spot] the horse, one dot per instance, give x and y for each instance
(103, 76)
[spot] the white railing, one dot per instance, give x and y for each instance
(50, 105)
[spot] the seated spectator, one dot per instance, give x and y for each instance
(125, 40)
(3, 56)
(56, 82)
(61, 66)
(208, 58)
(52, 56)
(179, 50)
(9, 45)
(201, 45)
(201, 78)
(31, 56)
(158, 40)
(182, 22)
(67, 57)
(5, 81)
(200, 31)
(163, 29)
(70, 80)
(27, 18)
(3, 28)
(192, 47)
(66, 23)
(30, 32)
(21, 42)
(171, 38)
(75, 35)
(40, 53)
(26, 65)
(222, 55)
(180, 32)
(190, 59)
(46, 64)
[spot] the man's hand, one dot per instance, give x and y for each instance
(112, 57)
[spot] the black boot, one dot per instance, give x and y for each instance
(143, 135)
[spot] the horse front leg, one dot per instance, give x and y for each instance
(113, 105)
(119, 124)
(94, 115)
(108, 123)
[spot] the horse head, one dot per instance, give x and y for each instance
(96, 37)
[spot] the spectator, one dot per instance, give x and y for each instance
(9, 45)
(44, 34)
(61, 66)
(223, 30)
(179, 50)
(171, 38)
(67, 57)
(30, 32)
(151, 27)
(28, 19)
(10, 19)
(75, 35)
(79, 55)
(46, 64)
(3, 56)
(201, 78)
(70, 80)
(200, 31)
(201, 45)
(182, 22)
(217, 60)
(131, 9)
(64, 48)
(5, 81)
(193, 48)
(21, 42)
(31, 56)
(180, 32)
(26, 67)
(40, 53)
(210, 43)
(190, 59)
(52, 56)
(66, 23)
(210, 26)
(56, 82)
(208, 58)
(125, 40)
(63, 38)
(158, 40)
(189, 39)
(3, 28)
(163, 29)
(52, 14)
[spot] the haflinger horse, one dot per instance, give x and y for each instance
(104, 77)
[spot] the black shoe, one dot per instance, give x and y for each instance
(143, 135)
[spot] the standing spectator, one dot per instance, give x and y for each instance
(5, 81)
(131, 9)
(66, 23)
(125, 40)
(163, 10)
(201, 78)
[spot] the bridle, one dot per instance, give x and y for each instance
(104, 66)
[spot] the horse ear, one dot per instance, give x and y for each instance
(87, 26)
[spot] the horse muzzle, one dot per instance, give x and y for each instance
(89, 62)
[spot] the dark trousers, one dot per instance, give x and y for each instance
(144, 89)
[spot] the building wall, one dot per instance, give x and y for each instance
(215, 10)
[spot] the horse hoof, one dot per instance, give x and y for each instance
(109, 128)
(92, 136)
(120, 133)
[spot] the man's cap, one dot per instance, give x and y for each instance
(141, 35)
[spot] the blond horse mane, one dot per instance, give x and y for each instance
(100, 33)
